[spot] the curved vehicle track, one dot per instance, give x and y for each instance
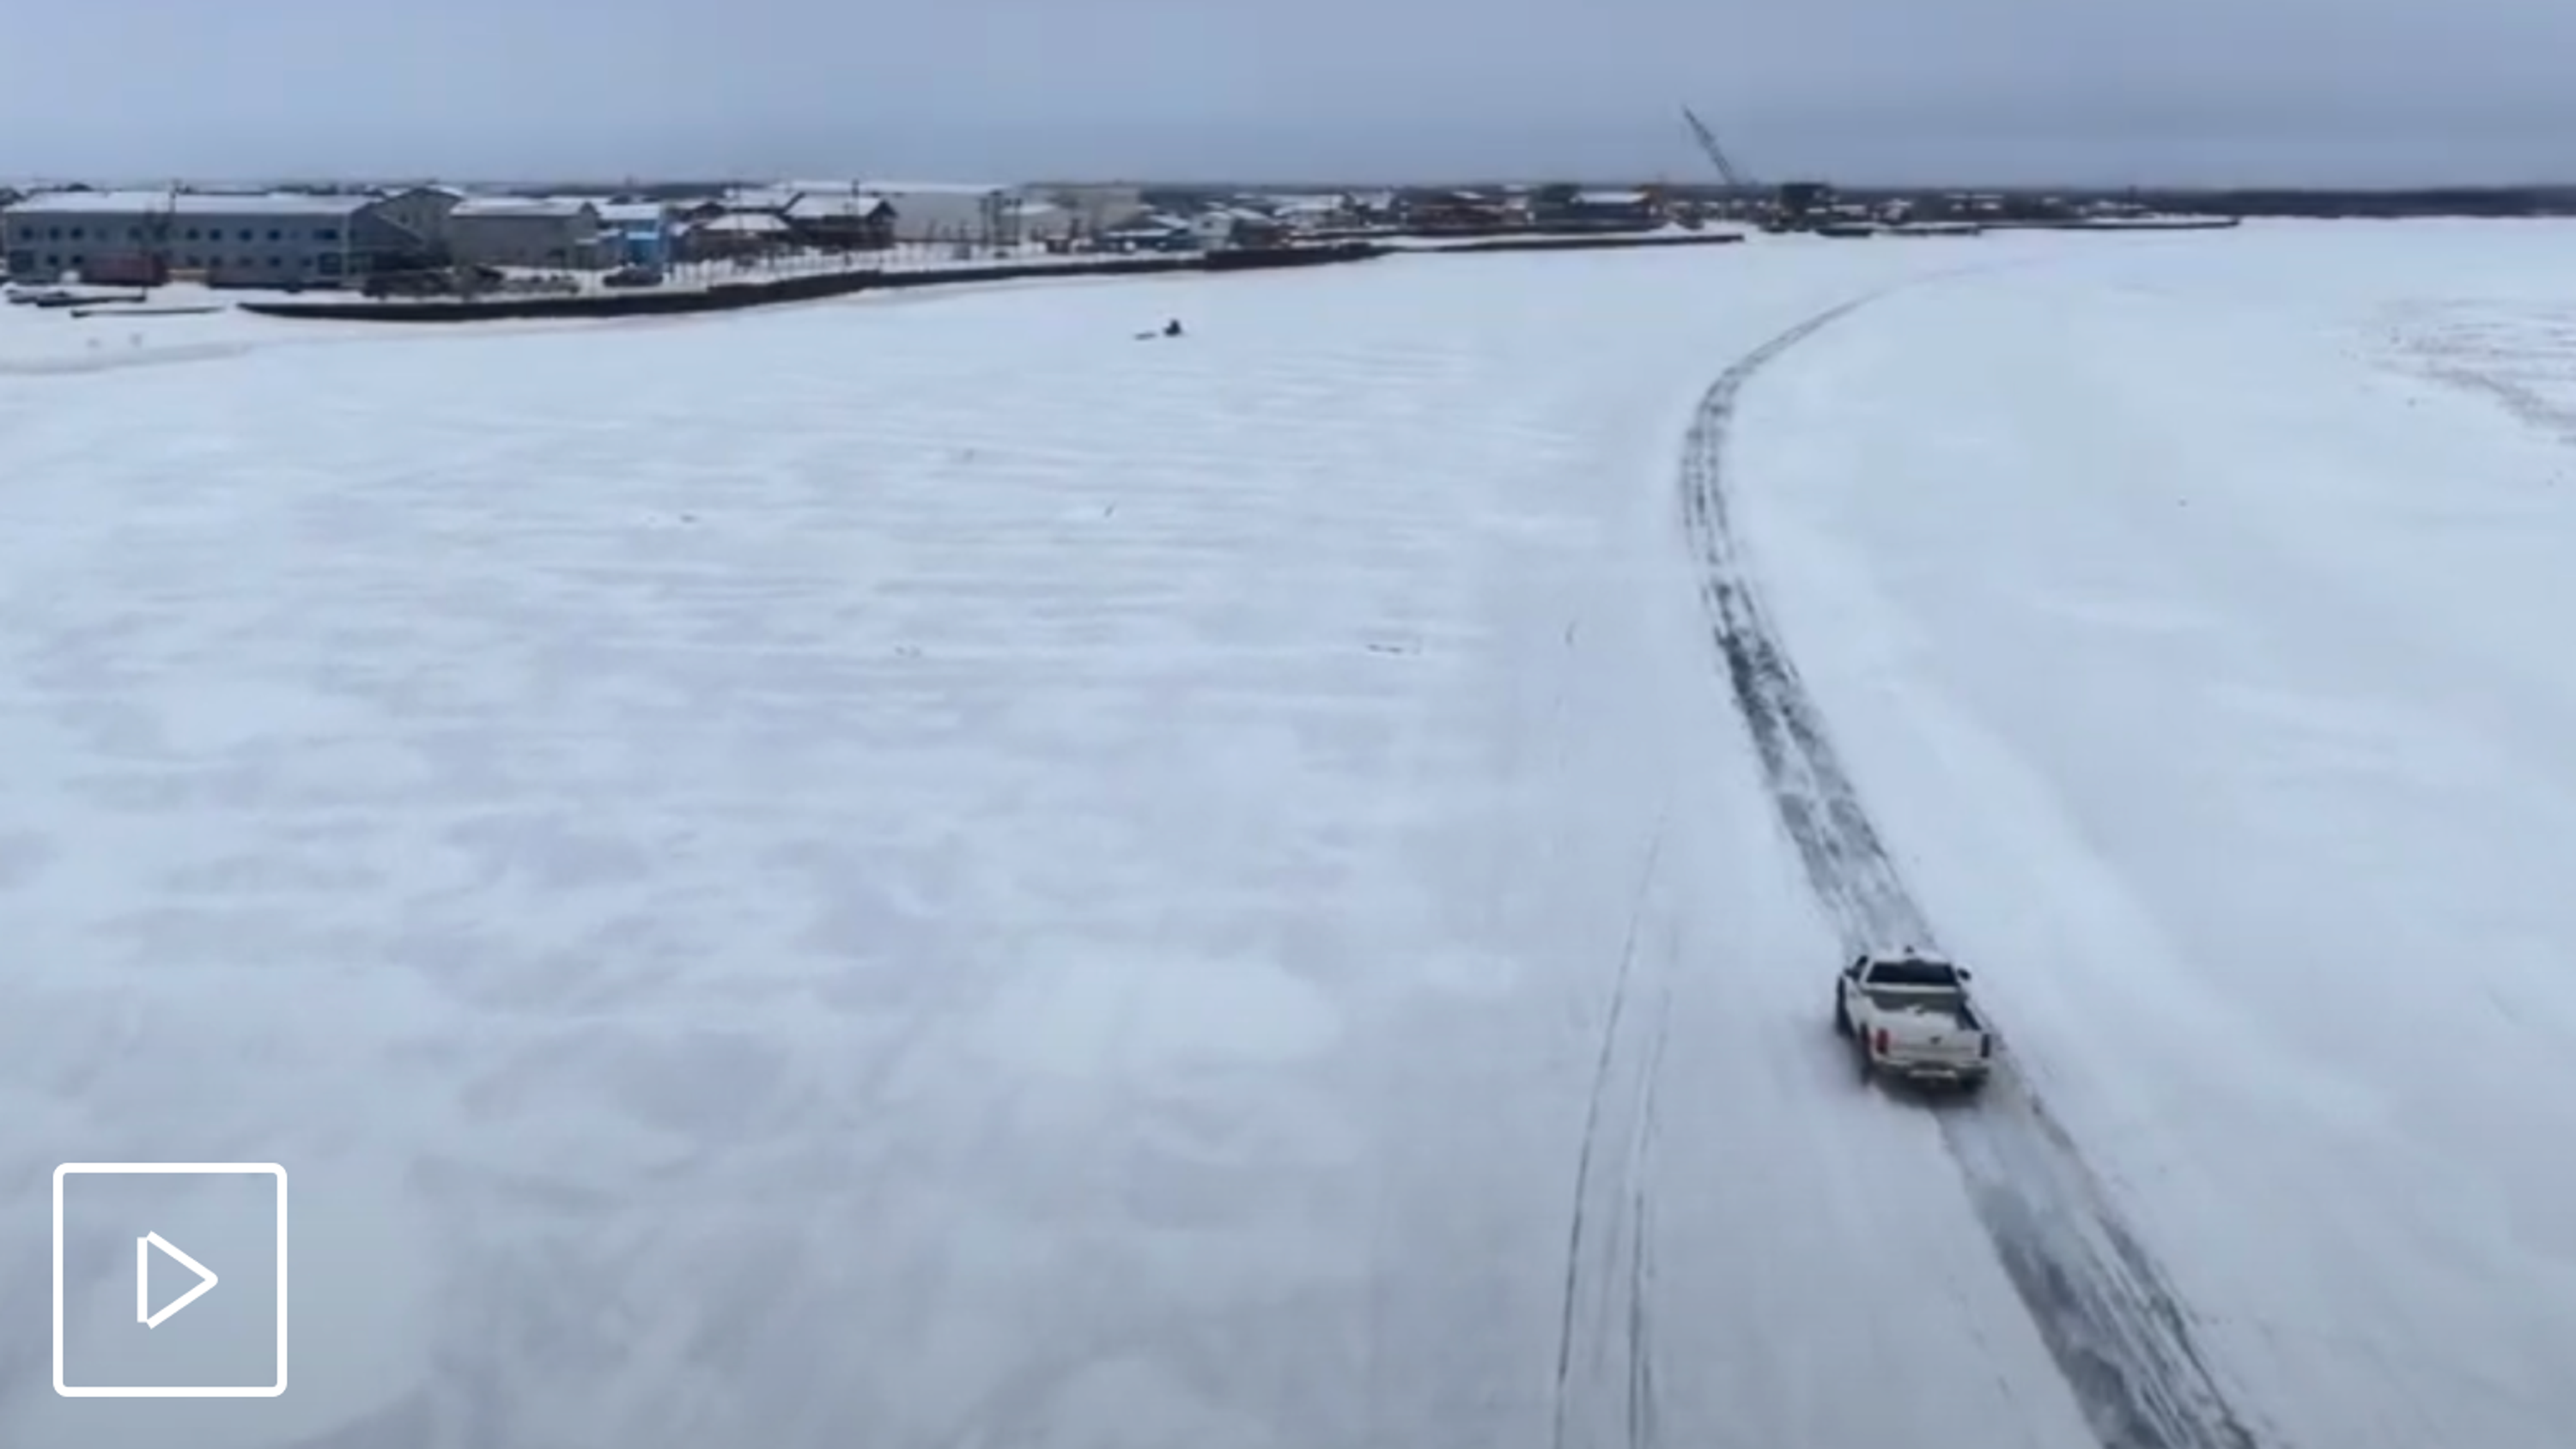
(2098, 1300)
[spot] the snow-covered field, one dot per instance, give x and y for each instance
(53, 341)
(921, 872)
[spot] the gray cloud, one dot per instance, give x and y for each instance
(2338, 91)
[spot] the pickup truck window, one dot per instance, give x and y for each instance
(1913, 973)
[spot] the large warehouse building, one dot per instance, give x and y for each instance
(548, 233)
(255, 240)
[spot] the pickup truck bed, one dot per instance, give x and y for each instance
(1952, 1013)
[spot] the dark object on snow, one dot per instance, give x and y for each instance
(1172, 328)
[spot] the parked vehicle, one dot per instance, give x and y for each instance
(442, 281)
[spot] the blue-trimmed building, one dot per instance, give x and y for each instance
(640, 234)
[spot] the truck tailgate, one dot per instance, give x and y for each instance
(1933, 1038)
(1945, 1048)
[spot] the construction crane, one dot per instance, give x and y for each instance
(1790, 207)
(1744, 193)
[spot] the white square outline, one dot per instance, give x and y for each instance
(232, 1169)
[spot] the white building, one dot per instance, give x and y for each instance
(1089, 209)
(230, 239)
(948, 211)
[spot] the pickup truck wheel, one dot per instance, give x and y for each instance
(1842, 1016)
(1860, 1052)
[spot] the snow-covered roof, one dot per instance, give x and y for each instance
(773, 198)
(742, 223)
(1611, 198)
(633, 211)
(552, 207)
(779, 195)
(812, 207)
(186, 203)
(901, 189)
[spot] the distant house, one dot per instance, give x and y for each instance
(1451, 211)
(1598, 208)
(528, 231)
(1232, 226)
(733, 234)
(1316, 213)
(1643, 205)
(640, 234)
(1154, 231)
(850, 222)
(776, 199)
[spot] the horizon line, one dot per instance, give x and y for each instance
(581, 179)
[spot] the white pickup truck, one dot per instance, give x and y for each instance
(1909, 1016)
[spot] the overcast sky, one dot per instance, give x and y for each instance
(2009, 91)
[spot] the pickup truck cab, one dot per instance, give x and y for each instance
(1909, 1016)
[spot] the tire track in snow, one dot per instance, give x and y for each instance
(1640, 1422)
(1607, 1307)
(2096, 1296)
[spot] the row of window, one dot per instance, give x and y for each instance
(28, 231)
(56, 262)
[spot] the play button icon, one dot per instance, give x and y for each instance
(143, 1311)
(174, 1330)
